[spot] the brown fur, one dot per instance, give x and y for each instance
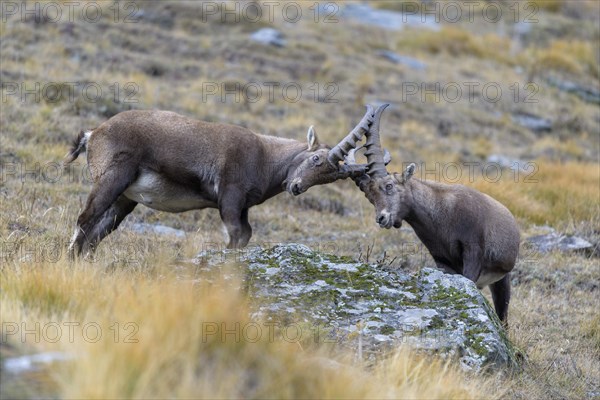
(173, 163)
(466, 232)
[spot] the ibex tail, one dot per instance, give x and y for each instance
(79, 145)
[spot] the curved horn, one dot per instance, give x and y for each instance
(387, 157)
(350, 158)
(374, 154)
(349, 142)
(352, 169)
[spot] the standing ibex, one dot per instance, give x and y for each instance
(466, 232)
(173, 163)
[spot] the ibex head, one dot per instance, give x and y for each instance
(387, 192)
(390, 196)
(321, 164)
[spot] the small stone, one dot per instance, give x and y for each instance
(404, 60)
(532, 122)
(157, 229)
(586, 93)
(556, 241)
(381, 338)
(269, 36)
(33, 362)
(507, 162)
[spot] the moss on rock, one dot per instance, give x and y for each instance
(379, 306)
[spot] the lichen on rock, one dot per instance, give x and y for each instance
(370, 306)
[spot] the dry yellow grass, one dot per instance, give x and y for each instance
(163, 347)
(548, 192)
(573, 56)
(458, 42)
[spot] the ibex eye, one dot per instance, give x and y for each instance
(388, 187)
(315, 158)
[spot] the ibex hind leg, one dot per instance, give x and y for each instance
(105, 192)
(501, 297)
(109, 221)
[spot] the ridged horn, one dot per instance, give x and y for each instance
(374, 153)
(349, 142)
(350, 159)
(352, 169)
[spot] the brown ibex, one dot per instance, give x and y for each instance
(172, 163)
(466, 232)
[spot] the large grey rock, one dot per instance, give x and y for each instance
(371, 308)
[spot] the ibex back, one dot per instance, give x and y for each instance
(173, 163)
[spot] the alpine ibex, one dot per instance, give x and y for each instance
(467, 232)
(172, 163)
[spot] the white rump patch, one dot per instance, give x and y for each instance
(84, 141)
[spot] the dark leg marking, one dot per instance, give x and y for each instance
(110, 220)
(501, 296)
(104, 193)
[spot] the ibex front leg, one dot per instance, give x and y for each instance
(472, 256)
(234, 215)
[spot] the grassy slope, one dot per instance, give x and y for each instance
(553, 316)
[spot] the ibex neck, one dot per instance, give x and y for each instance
(281, 156)
(421, 197)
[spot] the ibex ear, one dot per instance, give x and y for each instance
(313, 140)
(362, 181)
(408, 172)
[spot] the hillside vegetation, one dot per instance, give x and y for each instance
(201, 62)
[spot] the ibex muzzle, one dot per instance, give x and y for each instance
(173, 163)
(466, 232)
(324, 165)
